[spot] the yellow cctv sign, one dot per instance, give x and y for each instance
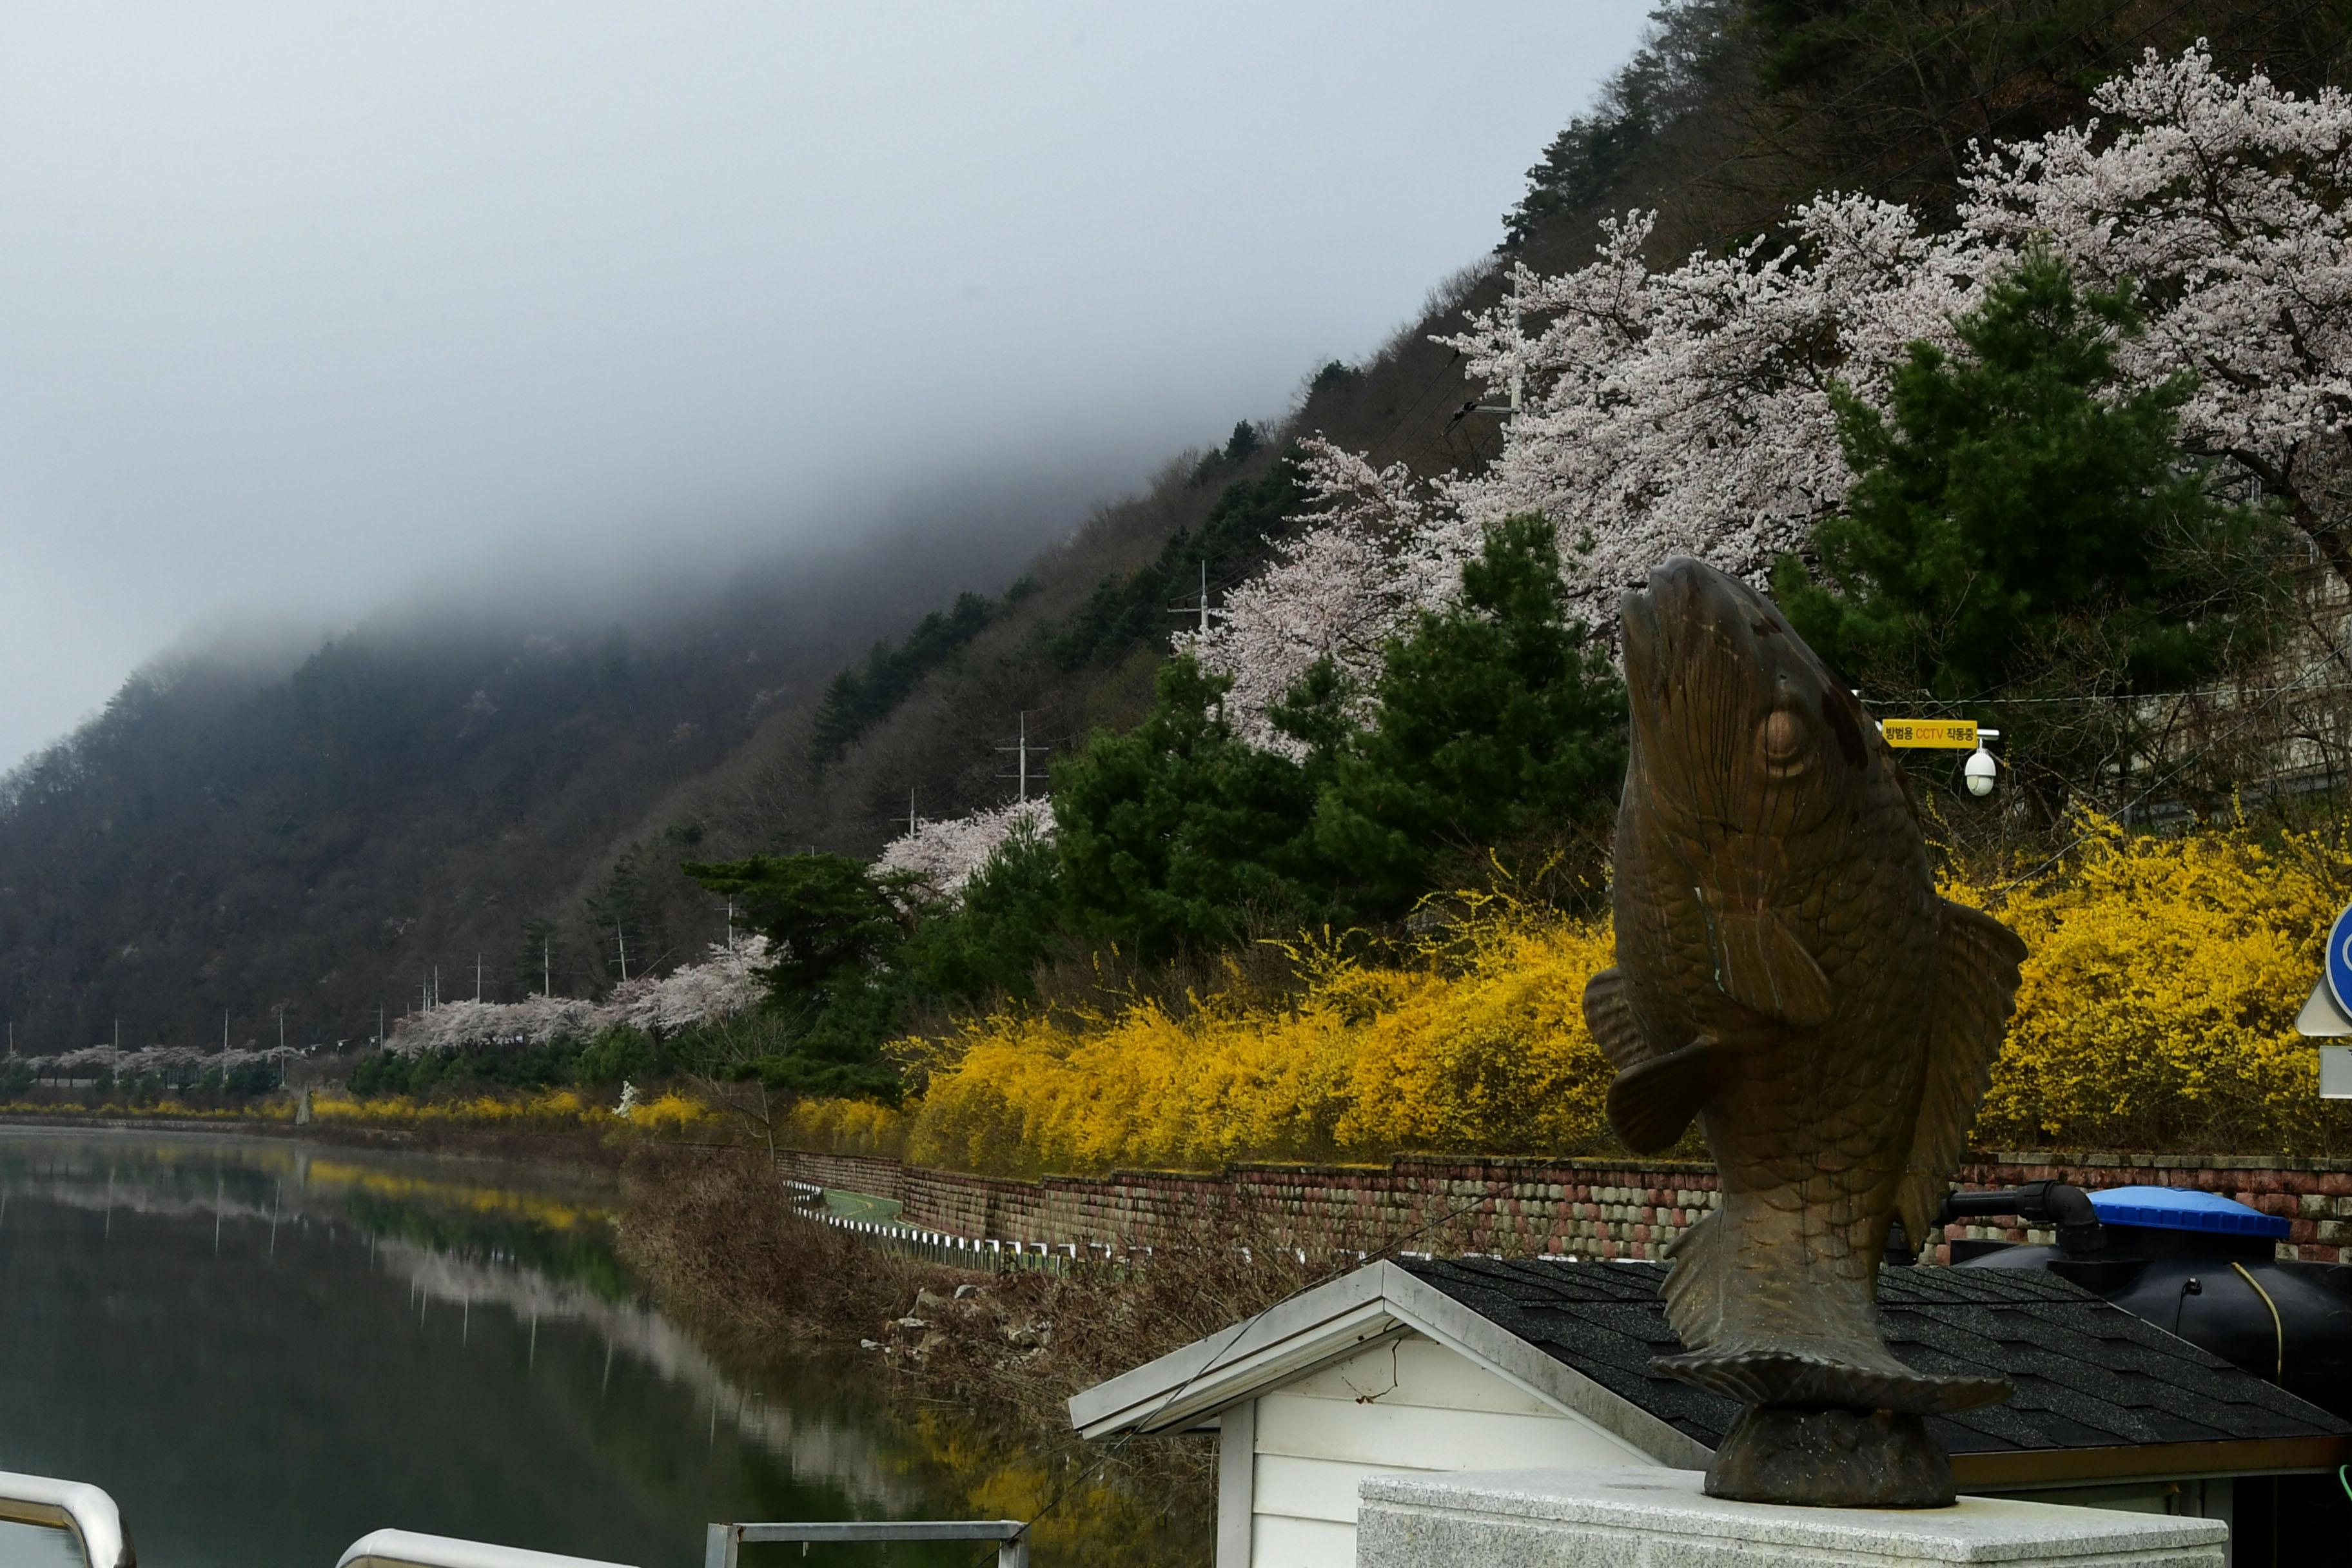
(1955, 735)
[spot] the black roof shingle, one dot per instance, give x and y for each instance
(2087, 1374)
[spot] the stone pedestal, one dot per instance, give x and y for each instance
(1638, 1517)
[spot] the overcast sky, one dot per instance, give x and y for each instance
(303, 305)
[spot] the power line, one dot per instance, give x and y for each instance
(2147, 790)
(1953, 704)
(1021, 747)
(1200, 609)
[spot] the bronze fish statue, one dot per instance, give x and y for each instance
(1788, 975)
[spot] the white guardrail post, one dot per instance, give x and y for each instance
(77, 1505)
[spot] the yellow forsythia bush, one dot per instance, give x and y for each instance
(845, 1127)
(266, 1110)
(558, 1106)
(2157, 1006)
(2155, 1011)
(1479, 1043)
(671, 1113)
(668, 1113)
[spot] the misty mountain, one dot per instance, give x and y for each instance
(443, 786)
(234, 834)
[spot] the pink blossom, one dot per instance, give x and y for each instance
(725, 983)
(944, 856)
(1687, 410)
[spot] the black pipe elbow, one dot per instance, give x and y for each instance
(2059, 1205)
(2077, 1218)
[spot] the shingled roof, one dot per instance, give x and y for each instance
(2091, 1378)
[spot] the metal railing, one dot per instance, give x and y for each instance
(990, 1255)
(1012, 1536)
(77, 1505)
(96, 1526)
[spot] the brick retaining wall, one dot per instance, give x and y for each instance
(1591, 1208)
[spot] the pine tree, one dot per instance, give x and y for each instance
(1499, 729)
(1172, 834)
(2019, 521)
(835, 928)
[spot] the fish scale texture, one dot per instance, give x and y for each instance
(1787, 972)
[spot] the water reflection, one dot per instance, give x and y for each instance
(264, 1351)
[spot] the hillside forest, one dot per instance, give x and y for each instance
(2005, 343)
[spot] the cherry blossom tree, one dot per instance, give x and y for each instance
(1686, 410)
(2224, 205)
(727, 983)
(943, 856)
(176, 1062)
(1373, 552)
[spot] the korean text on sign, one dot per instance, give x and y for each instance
(1957, 733)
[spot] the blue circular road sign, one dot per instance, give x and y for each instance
(2339, 961)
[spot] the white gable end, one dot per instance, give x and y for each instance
(1409, 1403)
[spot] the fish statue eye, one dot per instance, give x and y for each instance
(1782, 736)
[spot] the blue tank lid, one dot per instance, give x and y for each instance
(2178, 1208)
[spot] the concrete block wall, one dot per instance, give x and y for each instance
(865, 1174)
(1590, 1209)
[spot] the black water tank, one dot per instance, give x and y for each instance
(2204, 1268)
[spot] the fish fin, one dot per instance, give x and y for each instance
(1649, 1105)
(1698, 1264)
(1760, 964)
(1814, 1381)
(1609, 1014)
(1974, 989)
(1659, 1085)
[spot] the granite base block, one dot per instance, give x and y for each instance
(1639, 1517)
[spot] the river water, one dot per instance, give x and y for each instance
(265, 1350)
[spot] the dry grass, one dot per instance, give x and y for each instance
(715, 1234)
(720, 1240)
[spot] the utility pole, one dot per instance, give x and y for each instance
(622, 937)
(379, 1026)
(911, 823)
(478, 974)
(436, 985)
(1200, 609)
(1022, 749)
(546, 966)
(282, 1026)
(224, 1032)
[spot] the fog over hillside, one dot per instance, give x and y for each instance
(308, 312)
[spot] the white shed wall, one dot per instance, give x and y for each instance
(1409, 1405)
